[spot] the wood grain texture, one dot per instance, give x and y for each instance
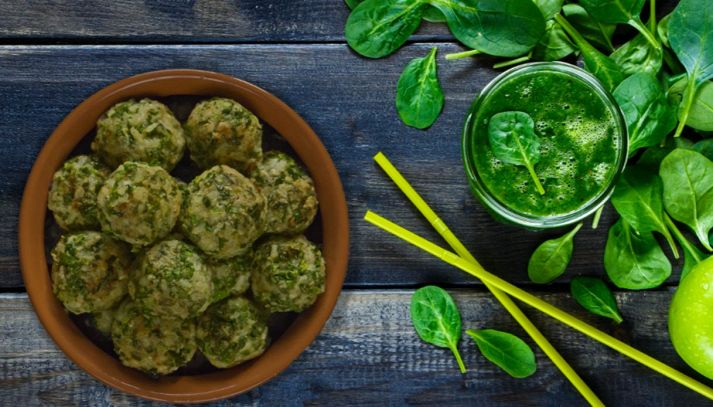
(368, 354)
(349, 103)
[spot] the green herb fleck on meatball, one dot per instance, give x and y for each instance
(231, 277)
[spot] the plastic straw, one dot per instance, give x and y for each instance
(506, 301)
(477, 271)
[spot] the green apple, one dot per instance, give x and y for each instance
(690, 319)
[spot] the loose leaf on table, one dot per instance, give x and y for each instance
(436, 319)
(620, 12)
(377, 28)
(506, 351)
(499, 28)
(688, 191)
(638, 198)
(594, 295)
(513, 141)
(690, 33)
(597, 33)
(700, 114)
(648, 114)
(431, 14)
(419, 97)
(634, 262)
(600, 65)
(551, 258)
(638, 55)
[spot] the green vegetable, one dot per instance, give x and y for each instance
(690, 33)
(603, 67)
(506, 351)
(353, 3)
(592, 294)
(704, 147)
(436, 319)
(551, 258)
(688, 191)
(554, 45)
(377, 28)
(652, 157)
(419, 98)
(648, 114)
(700, 114)
(495, 27)
(634, 262)
(433, 15)
(549, 8)
(620, 12)
(691, 254)
(592, 30)
(662, 30)
(638, 199)
(513, 141)
(638, 55)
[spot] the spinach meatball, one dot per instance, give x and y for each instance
(231, 332)
(291, 198)
(231, 277)
(73, 194)
(224, 213)
(144, 131)
(289, 274)
(222, 131)
(155, 345)
(172, 280)
(90, 271)
(139, 203)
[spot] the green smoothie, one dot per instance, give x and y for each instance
(581, 142)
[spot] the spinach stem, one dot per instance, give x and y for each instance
(572, 32)
(464, 54)
(538, 185)
(597, 216)
(652, 16)
(641, 28)
(686, 104)
(512, 62)
(461, 365)
(685, 244)
(673, 79)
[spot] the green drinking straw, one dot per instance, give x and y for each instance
(506, 301)
(479, 272)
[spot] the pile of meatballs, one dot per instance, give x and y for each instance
(167, 268)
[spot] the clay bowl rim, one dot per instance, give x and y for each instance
(33, 211)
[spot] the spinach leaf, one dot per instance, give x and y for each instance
(513, 141)
(688, 191)
(638, 198)
(638, 55)
(592, 30)
(419, 98)
(648, 113)
(551, 258)
(700, 114)
(433, 15)
(662, 30)
(436, 319)
(592, 294)
(377, 28)
(500, 28)
(652, 157)
(691, 254)
(506, 351)
(554, 45)
(353, 3)
(620, 12)
(603, 67)
(634, 262)
(704, 147)
(690, 33)
(549, 8)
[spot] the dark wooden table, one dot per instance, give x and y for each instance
(56, 53)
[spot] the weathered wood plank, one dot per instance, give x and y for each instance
(368, 354)
(347, 100)
(189, 21)
(183, 21)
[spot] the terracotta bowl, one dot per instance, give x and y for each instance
(67, 334)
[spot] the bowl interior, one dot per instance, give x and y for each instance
(291, 333)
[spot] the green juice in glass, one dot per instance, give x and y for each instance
(582, 149)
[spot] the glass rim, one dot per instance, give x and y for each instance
(532, 221)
